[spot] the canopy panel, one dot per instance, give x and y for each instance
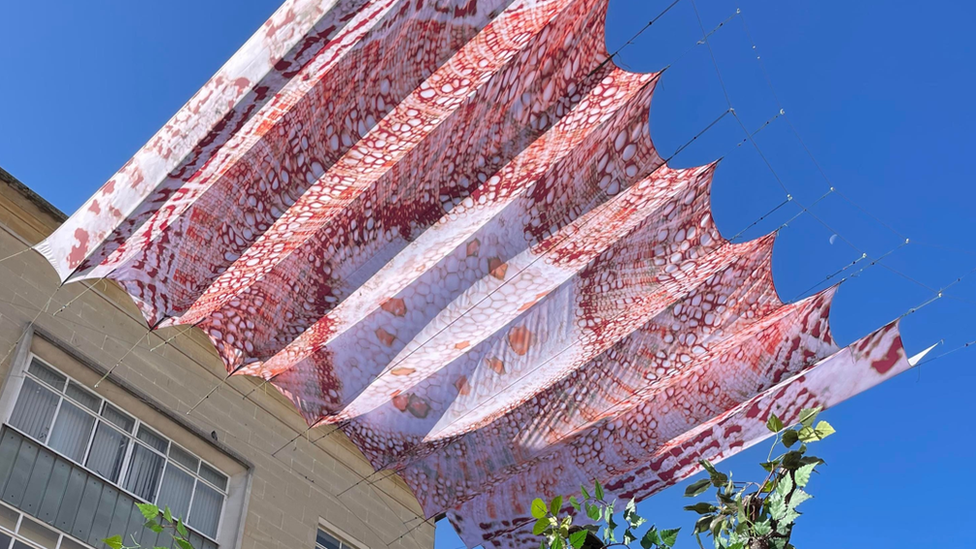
(443, 226)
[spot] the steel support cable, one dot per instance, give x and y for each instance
(776, 176)
(796, 133)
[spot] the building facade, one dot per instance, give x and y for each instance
(99, 413)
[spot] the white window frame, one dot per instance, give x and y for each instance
(132, 439)
(16, 534)
(346, 541)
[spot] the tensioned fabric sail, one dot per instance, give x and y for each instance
(442, 225)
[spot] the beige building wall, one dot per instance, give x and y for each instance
(313, 482)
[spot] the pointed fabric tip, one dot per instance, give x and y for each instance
(915, 359)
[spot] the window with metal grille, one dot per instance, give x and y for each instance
(62, 415)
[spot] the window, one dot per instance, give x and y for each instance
(325, 540)
(61, 414)
(19, 531)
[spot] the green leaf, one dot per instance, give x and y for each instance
(774, 424)
(762, 528)
(154, 526)
(769, 465)
(798, 497)
(790, 436)
(541, 525)
(556, 505)
(792, 460)
(697, 488)
(592, 511)
(702, 508)
(719, 479)
(809, 415)
(115, 542)
(577, 538)
(183, 544)
(181, 528)
(824, 430)
(650, 538)
(802, 475)
(785, 485)
(807, 434)
(148, 510)
(669, 537)
(539, 508)
(777, 507)
(629, 537)
(167, 514)
(702, 525)
(598, 490)
(557, 543)
(574, 502)
(586, 494)
(707, 465)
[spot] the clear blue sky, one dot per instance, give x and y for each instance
(880, 90)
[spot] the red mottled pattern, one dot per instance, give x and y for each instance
(442, 225)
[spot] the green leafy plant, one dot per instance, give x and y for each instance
(750, 515)
(744, 515)
(559, 532)
(156, 520)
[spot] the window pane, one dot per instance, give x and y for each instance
(206, 510)
(8, 519)
(152, 439)
(4, 541)
(68, 543)
(175, 491)
(183, 457)
(119, 418)
(46, 374)
(145, 468)
(71, 431)
(325, 541)
(107, 452)
(86, 399)
(213, 476)
(38, 533)
(34, 410)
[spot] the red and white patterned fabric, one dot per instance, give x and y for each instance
(442, 225)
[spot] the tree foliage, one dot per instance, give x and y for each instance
(156, 521)
(743, 515)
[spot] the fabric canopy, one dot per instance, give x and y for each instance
(443, 226)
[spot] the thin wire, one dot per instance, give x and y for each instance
(796, 133)
(829, 277)
(945, 248)
(88, 288)
(11, 256)
(776, 176)
(949, 352)
(165, 342)
(30, 324)
(119, 363)
(761, 218)
(645, 27)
